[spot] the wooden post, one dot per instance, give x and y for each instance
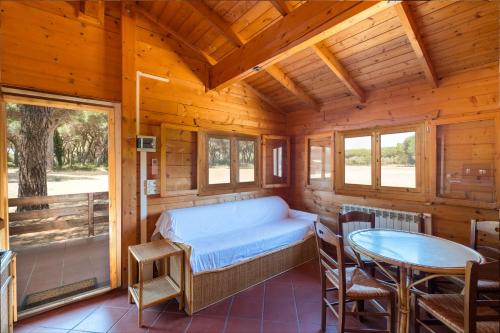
(128, 127)
(91, 214)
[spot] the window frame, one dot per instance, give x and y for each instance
(433, 163)
(416, 193)
(164, 127)
(307, 154)
(204, 188)
(287, 166)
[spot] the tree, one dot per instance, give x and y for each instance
(58, 149)
(32, 151)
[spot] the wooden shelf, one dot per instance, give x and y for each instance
(155, 291)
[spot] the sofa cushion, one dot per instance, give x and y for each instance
(221, 250)
(188, 224)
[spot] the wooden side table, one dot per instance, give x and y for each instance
(162, 288)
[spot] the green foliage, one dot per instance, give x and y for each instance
(400, 154)
(58, 149)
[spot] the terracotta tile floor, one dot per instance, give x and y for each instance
(49, 266)
(288, 303)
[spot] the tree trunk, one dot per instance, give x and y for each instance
(34, 133)
(50, 151)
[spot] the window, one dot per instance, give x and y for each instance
(178, 160)
(229, 162)
(381, 160)
(319, 161)
(398, 164)
(358, 160)
(276, 161)
(219, 160)
(466, 161)
(246, 160)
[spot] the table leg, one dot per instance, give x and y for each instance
(404, 304)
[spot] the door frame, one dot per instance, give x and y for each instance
(114, 165)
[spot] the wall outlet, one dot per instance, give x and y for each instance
(152, 187)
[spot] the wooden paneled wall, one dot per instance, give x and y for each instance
(184, 101)
(45, 47)
(470, 92)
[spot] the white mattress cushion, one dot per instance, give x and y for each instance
(228, 248)
(187, 224)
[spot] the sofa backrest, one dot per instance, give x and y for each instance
(204, 221)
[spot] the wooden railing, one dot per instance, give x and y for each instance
(64, 212)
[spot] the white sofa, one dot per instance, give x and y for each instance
(225, 234)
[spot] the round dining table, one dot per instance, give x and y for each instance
(411, 251)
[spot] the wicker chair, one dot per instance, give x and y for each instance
(352, 284)
(462, 312)
(352, 221)
(484, 238)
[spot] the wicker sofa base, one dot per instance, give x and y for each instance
(205, 289)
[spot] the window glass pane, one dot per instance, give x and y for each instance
(466, 160)
(398, 160)
(277, 162)
(219, 159)
(246, 161)
(276, 159)
(358, 160)
(316, 162)
(328, 159)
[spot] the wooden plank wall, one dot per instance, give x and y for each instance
(46, 48)
(469, 92)
(184, 101)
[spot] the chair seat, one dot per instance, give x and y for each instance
(349, 252)
(359, 285)
(449, 309)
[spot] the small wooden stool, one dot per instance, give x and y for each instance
(162, 288)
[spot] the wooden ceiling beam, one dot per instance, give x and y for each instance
(281, 6)
(305, 26)
(410, 27)
(169, 31)
(342, 74)
(288, 83)
(216, 21)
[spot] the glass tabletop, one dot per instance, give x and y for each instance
(412, 250)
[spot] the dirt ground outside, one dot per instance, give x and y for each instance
(221, 175)
(67, 182)
(392, 175)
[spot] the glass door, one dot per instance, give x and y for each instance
(62, 220)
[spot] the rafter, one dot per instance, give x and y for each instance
(169, 31)
(307, 25)
(342, 74)
(216, 21)
(281, 6)
(410, 27)
(288, 83)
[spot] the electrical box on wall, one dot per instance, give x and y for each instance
(146, 143)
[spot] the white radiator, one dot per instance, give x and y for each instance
(391, 219)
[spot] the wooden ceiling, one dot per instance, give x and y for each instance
(395, 43)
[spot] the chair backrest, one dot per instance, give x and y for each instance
(327, 238)
(474, 307)
(485, 238)
(354, 220)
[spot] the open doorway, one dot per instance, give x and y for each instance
(61, 199)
